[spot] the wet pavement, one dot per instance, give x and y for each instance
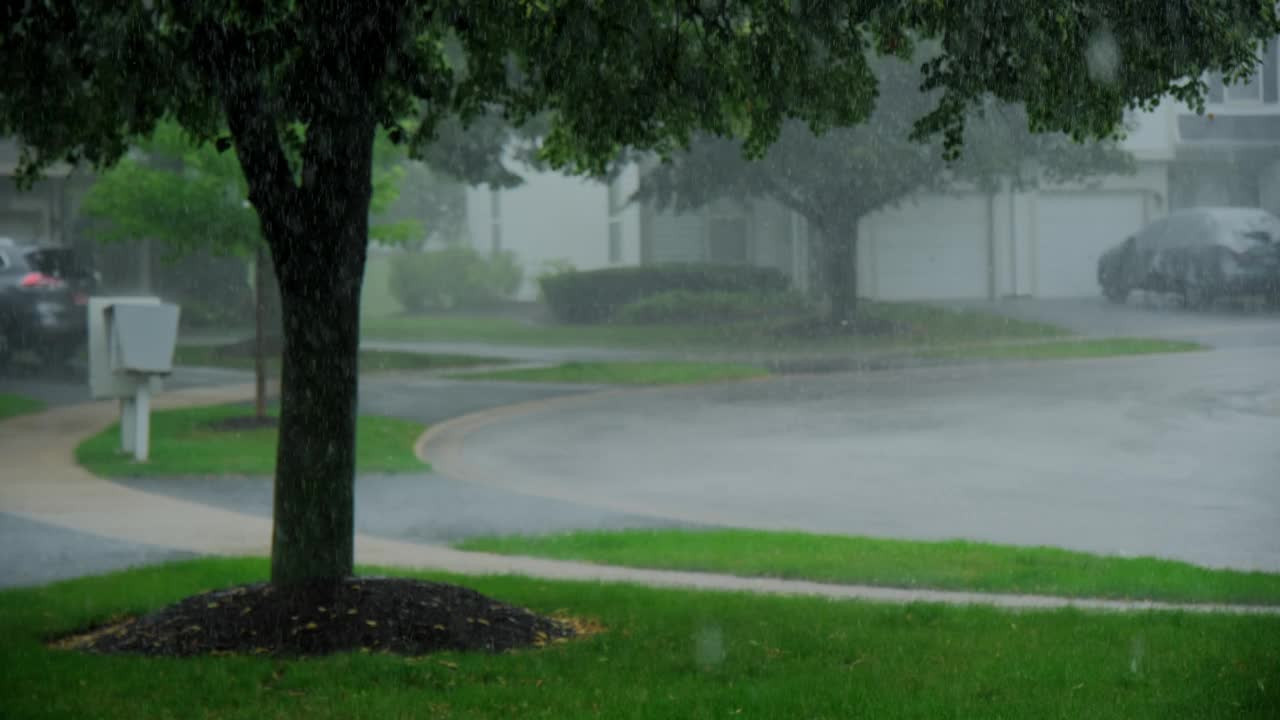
(1168, 455)
(415, 507)
(1171, 455)
(35, 553)
(1147, 315)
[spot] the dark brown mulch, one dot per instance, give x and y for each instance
(242, 422)
(408, 617)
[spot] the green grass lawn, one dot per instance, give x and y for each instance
(14, 405)
(370, 360)
(665, 654)
(920, 325)
(954, 565)
(183, 444)
(1068, 349)
(625, 373)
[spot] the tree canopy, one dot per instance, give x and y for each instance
(836, 178)
(81, 79)
(191, 196)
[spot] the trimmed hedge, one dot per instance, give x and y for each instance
(682, 306)
(595, 295)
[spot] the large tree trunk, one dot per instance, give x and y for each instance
(840, 275)
(266, 324)
(319, 261)
(260, 333)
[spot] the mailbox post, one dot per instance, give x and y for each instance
(131, 343)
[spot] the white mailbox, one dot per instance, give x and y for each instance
(131, 342)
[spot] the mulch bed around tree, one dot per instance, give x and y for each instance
(397, 615)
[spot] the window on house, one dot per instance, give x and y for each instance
(615, 242)
(1248, 91)
(1255, 89)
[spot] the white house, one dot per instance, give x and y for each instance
(553, 219)
(1043, 242)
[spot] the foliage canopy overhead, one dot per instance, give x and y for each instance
(644, 74)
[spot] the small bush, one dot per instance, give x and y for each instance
(595, 295)
(682, 306)
(452, 278)
(213, 290)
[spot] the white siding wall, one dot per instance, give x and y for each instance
(677, 238)
(552, 217)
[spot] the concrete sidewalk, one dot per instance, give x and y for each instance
(41, 482)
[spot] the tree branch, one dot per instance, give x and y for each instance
(234, 71)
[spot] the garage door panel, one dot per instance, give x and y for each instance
(1072, 232)
(935, 249)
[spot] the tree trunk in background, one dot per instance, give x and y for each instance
(840, 275)
(319, 255)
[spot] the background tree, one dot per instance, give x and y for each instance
(191, 197)
(80, 79)
(837, 178)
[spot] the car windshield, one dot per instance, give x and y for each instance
(595, 359)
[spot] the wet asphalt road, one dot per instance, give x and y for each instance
(1149, 315)
(1165, 455)
(33, 553)
(1171, 455)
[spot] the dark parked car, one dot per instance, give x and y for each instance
(1200, 253)
(43, 293)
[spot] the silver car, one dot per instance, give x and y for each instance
(1200, 253)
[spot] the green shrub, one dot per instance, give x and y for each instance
(452, 278)
(213, 290)
(682, 306)
(595, 295)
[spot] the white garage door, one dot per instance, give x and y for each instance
(935, 249)
(1072, 232)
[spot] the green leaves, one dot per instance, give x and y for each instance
(81, 80)
(836, 176)
(191, 196)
